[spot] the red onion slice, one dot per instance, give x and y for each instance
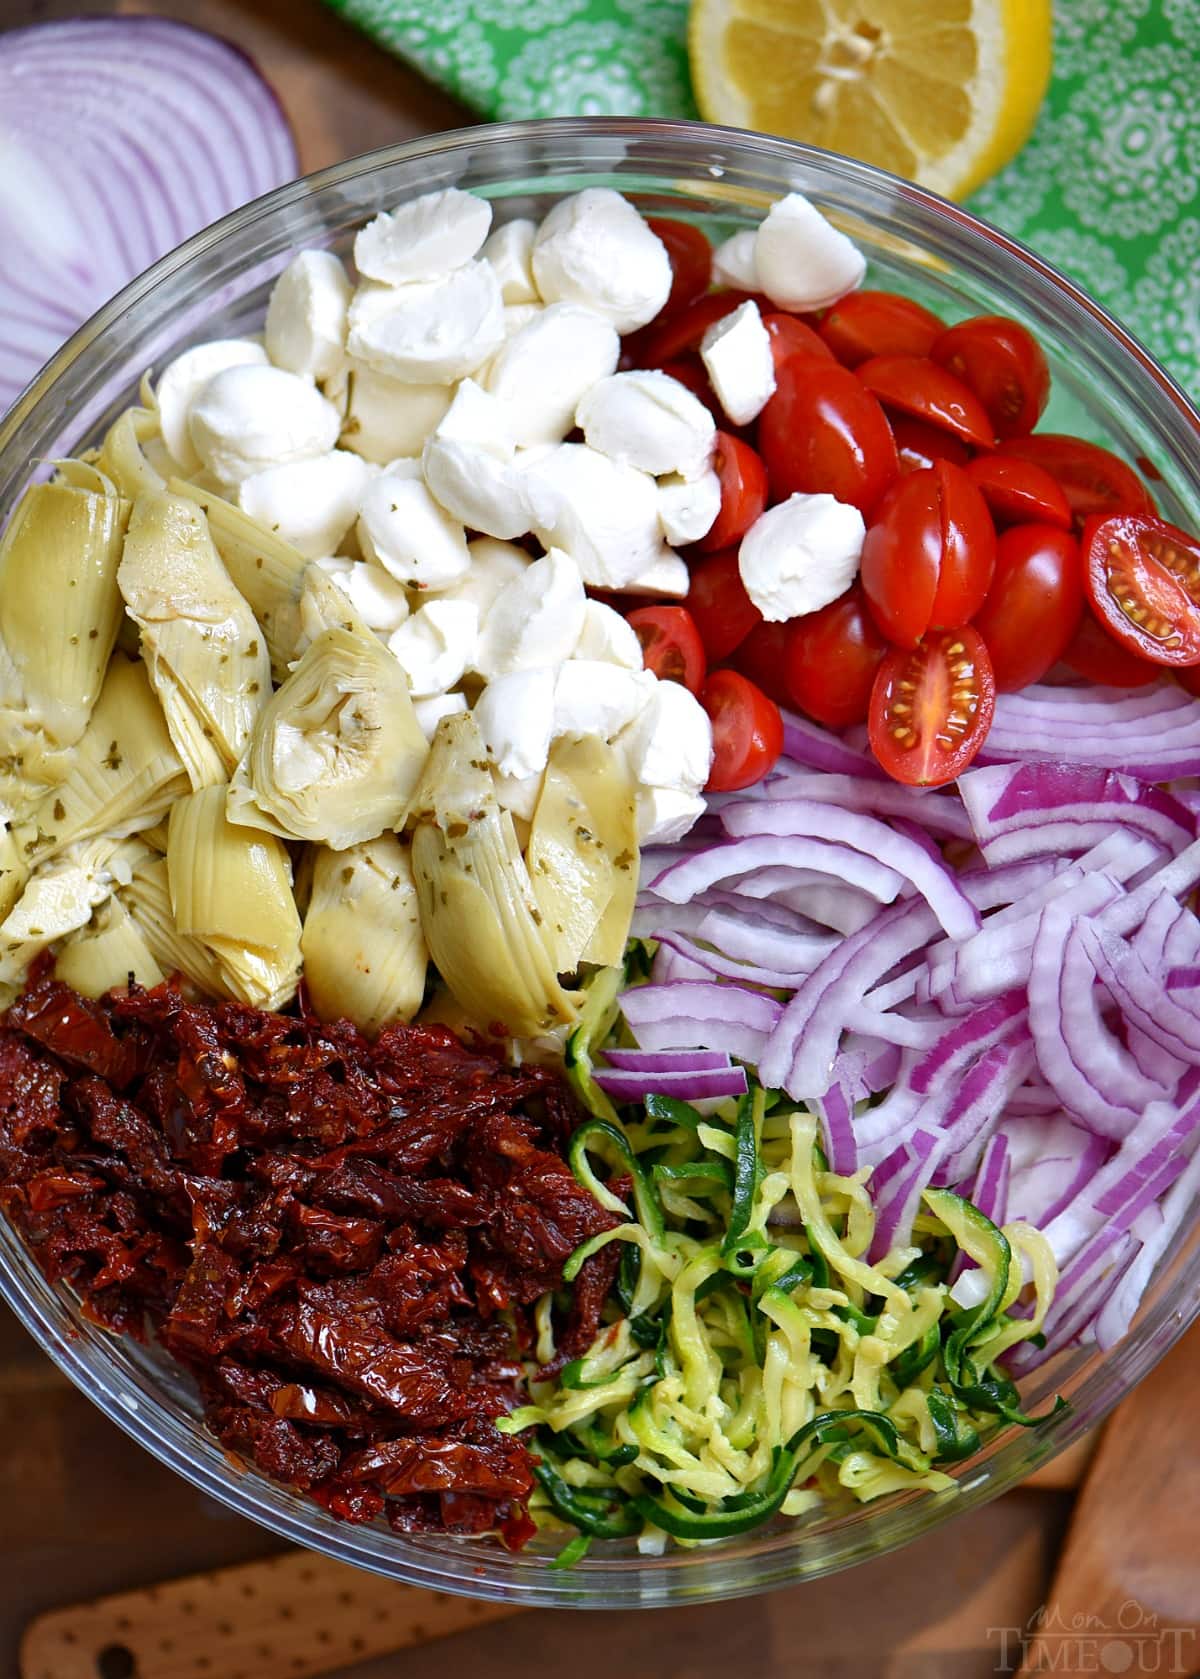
(122, 136)
(1037, 809)
(935, 811)
(667, 1060)
(801, 818)
(625, 1086)
(692, 875)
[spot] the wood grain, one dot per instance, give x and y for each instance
(287, 1617)
(1126, 1597)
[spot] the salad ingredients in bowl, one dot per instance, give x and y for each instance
(595, 947)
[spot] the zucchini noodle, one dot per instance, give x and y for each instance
(751, 1361)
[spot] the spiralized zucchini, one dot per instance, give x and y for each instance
(753, 1361)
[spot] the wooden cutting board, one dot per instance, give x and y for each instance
(289, 1617)
(1126, 1596)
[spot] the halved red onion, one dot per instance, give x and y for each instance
(123, 137)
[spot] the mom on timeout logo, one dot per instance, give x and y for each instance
(1134, 1641)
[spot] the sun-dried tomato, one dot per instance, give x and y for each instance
(339, 1239)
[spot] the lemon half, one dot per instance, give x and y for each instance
(944, 92)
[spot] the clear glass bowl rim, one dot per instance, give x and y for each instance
(122, 1390)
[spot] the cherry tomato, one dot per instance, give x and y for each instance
(822, 431)
(916, 385)
(1034, 605)
(1019, 491)
(1189, 678)
(1142, 578)
(691, 261)
(743, 492)
(1093, 480)
(932, 706)
(669, 336)
(790, 337)
(719, 606)
(762, 656)
(671, 644)
(1093, 653)
(832, 657)
(920, 444)
(927, 560)
(747, 731)
(1003, 364)
(878, 323)
(690, 371)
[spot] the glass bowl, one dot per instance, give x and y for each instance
(1106, 387)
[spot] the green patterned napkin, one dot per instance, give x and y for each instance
(1107, 189)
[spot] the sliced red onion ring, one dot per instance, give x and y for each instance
(897, 1203)
(1141, 995)
(1154, 734)
(934, 811)
(1054, 1160)
(684, 879)
(1160, 1136)
(979, 1103)
(686, 1087)
(1118, 1311)
(123, 137)
(808, 744)
(801, 818)
(988, 1192)
(746, 973)
(667, 1060)
(847, 909)
(800, 1052)
(835, 1110)
(698, 1015)
(1028, 810)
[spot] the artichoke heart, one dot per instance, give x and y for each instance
(109, 952)
(60, 609)
(364, 951)
(124, 774)
(123, 457)
(231, 891)
(267, 572)
(337, 751)
(582, 853)
(206, 655)
(481, 919)
(148, 900)
(60, 897)
(15, 869)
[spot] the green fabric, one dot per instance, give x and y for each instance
(1107, 189)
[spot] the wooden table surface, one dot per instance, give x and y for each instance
(83, 1511)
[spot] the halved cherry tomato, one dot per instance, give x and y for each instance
(1019, 491)
(720, 608)
(832, 657)
(743, 479)
(916, 385)
(932, 706)
(1093, 653)
(1142, 578)
(747, 731)
(762, 656)
(669, 336)
(1003, 364)
(920, 444)
(878, 323)
(1093, 479)
(691, 261)
(927, 559)
(790, 337)
(821, 431)
(690, 371)
(671, 644)
(1034, 605)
